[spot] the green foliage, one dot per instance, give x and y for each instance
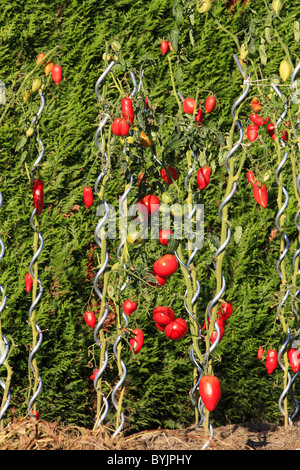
(76, 34)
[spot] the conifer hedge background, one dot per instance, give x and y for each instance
(160, 377)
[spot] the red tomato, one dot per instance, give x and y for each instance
(271, 360)
(56, 73)
(164, 236)
(271, 130)
(120, 127)
(28, 282)
(165, 176)
(210, 104)
(129, 307)
(164, 46)
(137, 341)
(160, 327)
(250, 177)
(92, 377)
(294, 359)
(127, 110)
(166, 265)
(160, 279)
(199, 117)
(256, 119)
(188, 105)
(203, 177)
(176, 329)
(88, 196)
(90, 319)
(210, 391)
(38, 195)
(260, 194)
(163, 315)
(214, 334)
(149, 204)
(260, 353)
(252, 132)
(39, 59)
(225, 311)
(256, 106)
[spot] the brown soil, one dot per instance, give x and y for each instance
(42, 435)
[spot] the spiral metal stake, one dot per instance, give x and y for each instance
(38, 297)
(6, 347)
(122, 212)
(97, 236)
(226, 200)
(280, 260)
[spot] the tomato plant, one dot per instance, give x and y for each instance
(176, 329)
(210, 391)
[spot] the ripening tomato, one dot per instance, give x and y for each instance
(137, 341)
(149, 204)
(40, 58)
(210, 103)
(56, 73)
(145, 140)
(164, 236)
(28, 282)
(260, 353)
(250, 177)
(252, 132)
(210, 391)
(90, 319)
(163, 315)
(271, 360)
(48, 67)
(164, 47)
(256, 106)
(165, 176)
(166, 265)
(260, 194)
(294, 359)
(120, 127)
(176, 329)
(203, 177)
(188, 105)
(129, 307)
(88, 196)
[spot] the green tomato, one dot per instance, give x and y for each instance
(203, 6)
(277, 5)
(167, 198)
(36, 84)
(134, 236)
